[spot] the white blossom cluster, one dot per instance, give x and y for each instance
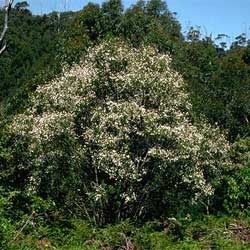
(129, 108)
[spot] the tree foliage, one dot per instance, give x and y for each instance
(115, 128)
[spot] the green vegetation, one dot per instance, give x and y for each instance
(119, 132)
(208, 232)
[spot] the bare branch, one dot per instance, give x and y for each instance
(7, 8)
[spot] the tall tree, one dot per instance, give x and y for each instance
(7, 8)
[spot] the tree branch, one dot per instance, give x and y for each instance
(7, 8)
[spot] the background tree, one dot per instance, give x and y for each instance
(33, 51)
(21, 6)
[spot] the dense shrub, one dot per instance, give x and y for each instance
(6, 227)
(114, 137)
(237, 181)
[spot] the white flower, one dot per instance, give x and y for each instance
(130, 110)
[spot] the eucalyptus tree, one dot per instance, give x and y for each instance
(7, 8)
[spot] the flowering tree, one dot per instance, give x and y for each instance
(114, 137)
(7, 8)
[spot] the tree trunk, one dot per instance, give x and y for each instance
(7, 8)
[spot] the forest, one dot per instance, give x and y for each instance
(120, 132)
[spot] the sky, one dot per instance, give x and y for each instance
(229, 17)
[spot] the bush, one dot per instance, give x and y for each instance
(237, 188)
(6, 226)
(114, 137)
